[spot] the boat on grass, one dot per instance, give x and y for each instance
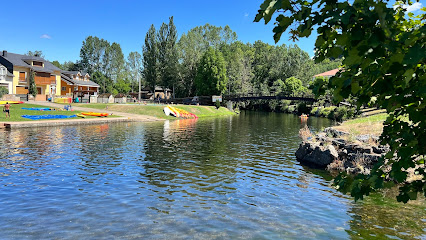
(11, 102)
(95, 114)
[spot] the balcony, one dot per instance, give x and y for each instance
(43, 80)
(22, 80)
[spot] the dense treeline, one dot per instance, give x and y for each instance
(206, 60)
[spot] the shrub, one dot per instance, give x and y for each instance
(291, 108)
(340, 113)
(302, 108)
(314, 111)
(217, 104)
(3, 91)
(325, 112)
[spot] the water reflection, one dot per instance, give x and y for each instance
(231, 177)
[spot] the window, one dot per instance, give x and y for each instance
(63, 88)
(35, 63)
(2, 73)
(22, 76)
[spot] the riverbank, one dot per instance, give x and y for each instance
(17, 121)
(156, 110)
(352, 146)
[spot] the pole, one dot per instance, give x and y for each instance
(139, 82)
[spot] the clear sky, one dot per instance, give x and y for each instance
(58, 28)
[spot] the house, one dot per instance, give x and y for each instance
(105, 98)
(78, 84)
(6, 78)
(47, 76)
(328, 74)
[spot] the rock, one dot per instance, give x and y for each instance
(313, 153)
(380, 149)
(339, 142)
(361, 149)
(334, 132)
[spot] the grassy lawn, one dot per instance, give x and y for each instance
(372, 125)
(157, 110)
(16, 112)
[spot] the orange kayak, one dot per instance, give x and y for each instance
(95, 114)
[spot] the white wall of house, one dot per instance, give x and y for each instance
(5, 81)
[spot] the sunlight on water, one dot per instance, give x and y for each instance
(226, 178)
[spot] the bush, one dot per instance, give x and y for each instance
(325, 112)
(340, 113)
(302, 108)
(273, 104)
(314, 111)
(291, 108)
(217, 103)
(3, 91)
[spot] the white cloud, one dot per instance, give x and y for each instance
(246, 14)
(411, 8)
(414, 7)
(45, 36)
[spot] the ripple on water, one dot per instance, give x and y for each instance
(229, 178)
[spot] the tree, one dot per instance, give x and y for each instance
(106, 83)
(92, 54)
(150, 58)
(382, 57)
(36, 53)
(122, 86)
(191, 47)
(32, 88)
(113, 61)
(134, 66)
(167, 54)
(211, 75)
(57, 64)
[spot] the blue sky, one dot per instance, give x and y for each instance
(58, 28)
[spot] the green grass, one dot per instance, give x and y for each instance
(157, 110)
(16, 112)
(370, 119)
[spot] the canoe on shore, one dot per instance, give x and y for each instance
(95, 114)
(10, 102)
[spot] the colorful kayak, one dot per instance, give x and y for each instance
(81, 115)
(47, 116)
(176, 112)
(10, 102)
(95, 114)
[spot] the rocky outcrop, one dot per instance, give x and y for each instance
(330, 150)
(313, 153)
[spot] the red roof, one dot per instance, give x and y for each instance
(328, 73)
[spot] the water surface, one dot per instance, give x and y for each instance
(220, 178)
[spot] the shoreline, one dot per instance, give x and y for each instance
(69, 122)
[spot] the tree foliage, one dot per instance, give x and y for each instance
(36, 53)
(32, 88)
(211, 75)
(134, 69)
(382, 55)
(167, 54)
(150, 58)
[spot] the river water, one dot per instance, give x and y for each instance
(219, 178)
